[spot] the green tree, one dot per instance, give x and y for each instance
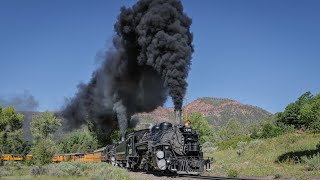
(102, 134)
(78, 141)
(44, 125)
(270, 130)
(43, 151)
(310, 114)
(292, 113)
(304, 98)
(202, 126)
(10, 130)
(42, 128)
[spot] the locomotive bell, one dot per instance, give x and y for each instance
(187, 123)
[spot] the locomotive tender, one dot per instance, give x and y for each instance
(165, 148)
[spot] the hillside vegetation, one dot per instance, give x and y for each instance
(216, 110)
(282, 156)
(285, 145)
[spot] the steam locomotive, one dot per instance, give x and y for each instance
(165, 148)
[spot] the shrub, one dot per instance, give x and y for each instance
(315, 127)
(109, 172)
(93, 170)
(255, 143)
(255, 132)
(38, 170)
(29, 162)
(277, 176)
(270, 130)
(69, 169)
(208, 147)
(232, 143)
(313, 163)
(233, 173)
(318, 145)
(6, 171)
(241, 147)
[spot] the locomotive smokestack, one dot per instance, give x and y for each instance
(180, 115)
(123, 135)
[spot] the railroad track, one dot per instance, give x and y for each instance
(211, 177)
(160, 174)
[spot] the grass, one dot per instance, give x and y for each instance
(65, 170)
(261, 157)
(313, 162)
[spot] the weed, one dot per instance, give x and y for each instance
(278, 176)
(255, 143)
(5, 171)
(313, 163)
(109, 172)
(241, 147)
(38, 170)
(232, 143)
(233, 173)
(208, 147)
(292, 139)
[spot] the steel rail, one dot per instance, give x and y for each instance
(213, 177)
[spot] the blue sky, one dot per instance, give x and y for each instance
(264, 53)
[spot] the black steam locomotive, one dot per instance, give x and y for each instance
(165, 148)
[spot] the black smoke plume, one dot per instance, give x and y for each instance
(150, 59)
(21, 102)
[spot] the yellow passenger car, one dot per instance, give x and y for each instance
(12, 157)
(28, 157)
(67, 157)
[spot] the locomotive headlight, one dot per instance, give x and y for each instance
(160, 154)
(162, 164)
